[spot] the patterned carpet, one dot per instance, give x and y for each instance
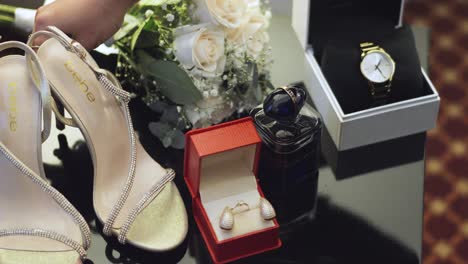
(446, 185)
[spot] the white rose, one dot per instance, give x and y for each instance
(252, 33)
(253, 3)
(200, 47)
(228, 13)
(256, 43)
(255, 21)
(162, 3)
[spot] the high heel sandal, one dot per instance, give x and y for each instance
(37, 223)
(134, 197)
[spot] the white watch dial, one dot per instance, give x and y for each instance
(377, 67)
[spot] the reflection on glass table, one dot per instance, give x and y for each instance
(372, 218)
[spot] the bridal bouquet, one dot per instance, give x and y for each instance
(195, 62)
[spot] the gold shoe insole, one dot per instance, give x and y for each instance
(29, 257)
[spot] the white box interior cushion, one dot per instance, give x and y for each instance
(225, 179)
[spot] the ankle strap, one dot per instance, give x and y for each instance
(106, 78)
(40, 80)
(68, 43)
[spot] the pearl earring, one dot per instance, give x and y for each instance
(266, 209)
(226, 221)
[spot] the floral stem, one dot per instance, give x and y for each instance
(8, 10)
(7, 14)
(8, 20)
(124, 55)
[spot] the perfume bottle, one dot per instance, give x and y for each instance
(289, 161)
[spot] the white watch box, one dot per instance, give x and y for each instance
(355, 133)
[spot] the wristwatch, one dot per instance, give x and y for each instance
(378, 67)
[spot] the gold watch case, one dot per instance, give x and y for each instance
(369, 48)
(384, 53)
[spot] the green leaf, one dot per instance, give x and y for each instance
(159, 129)
(6, 20)
(173, 81)
(146, 35)
(130, 23)
(136, 35)
(178, 140)
(150, 25)
(167, 134)
(157, 2)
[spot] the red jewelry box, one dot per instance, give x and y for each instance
(220, 170)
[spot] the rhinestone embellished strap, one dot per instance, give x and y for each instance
(125, 98)
(46, 234)
(57, 196)
(152, 193)
(108, 80)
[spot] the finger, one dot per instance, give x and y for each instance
(87, 41)
(51, 15)
(39, 25)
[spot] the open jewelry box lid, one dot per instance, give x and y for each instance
(309, 16)
(213, 140)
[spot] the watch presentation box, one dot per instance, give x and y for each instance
(374, 138)
(220, 170)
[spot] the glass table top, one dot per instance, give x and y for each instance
(373, 218)
(370, 218)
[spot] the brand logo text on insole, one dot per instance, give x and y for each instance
(12, 106)
(81, 83)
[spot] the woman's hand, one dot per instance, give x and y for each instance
(90, 22)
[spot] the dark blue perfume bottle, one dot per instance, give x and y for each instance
(288, 169)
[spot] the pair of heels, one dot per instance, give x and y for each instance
(133, 196)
